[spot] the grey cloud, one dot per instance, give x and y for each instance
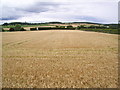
(40, 7)
(119, 11)
(10, 13)
(13, 13)
(9, 18)
(89, 18)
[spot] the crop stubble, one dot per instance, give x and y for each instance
(60, 58)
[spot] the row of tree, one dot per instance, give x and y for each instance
(49, 28)
(26, 23)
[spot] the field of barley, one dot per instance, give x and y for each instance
(59, 59)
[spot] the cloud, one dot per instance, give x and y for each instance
(102, 11)
(9, 18)
(11, 12)
(119, 11)
(39, 7)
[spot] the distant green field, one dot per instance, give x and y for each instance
(111, 31)
(12, 26)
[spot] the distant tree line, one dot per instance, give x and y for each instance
(25, 23)
(50, 28)
(20, 23)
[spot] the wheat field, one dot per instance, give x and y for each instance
(59, 59)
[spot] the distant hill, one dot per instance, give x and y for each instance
(26, 23)
(88, 23)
